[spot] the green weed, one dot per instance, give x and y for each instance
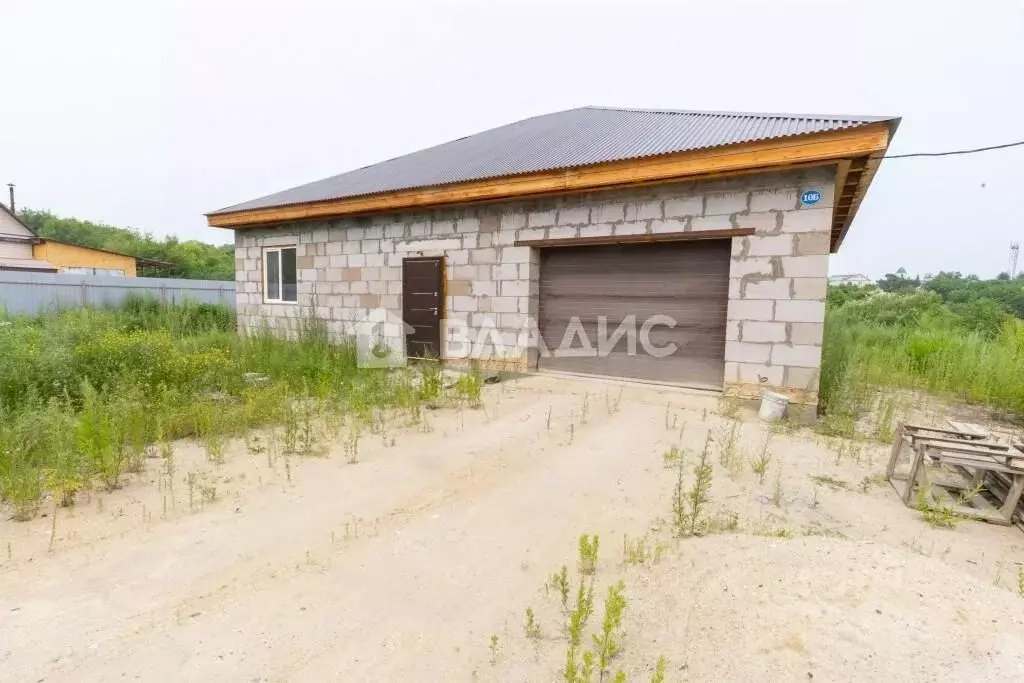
(588, 550)
(532, 627)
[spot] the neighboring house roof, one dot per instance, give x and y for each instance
(138, 259)
(33, 264)
(566, 139)
(9, 216)
(859, 277)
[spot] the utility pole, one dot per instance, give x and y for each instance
(1014, 253)
(10, 188)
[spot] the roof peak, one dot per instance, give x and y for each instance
(753, 114)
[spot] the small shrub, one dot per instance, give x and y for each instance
(531, 627)
(588, 549)
(759, 461)
(608, 642)
(688, 505)
(560, 582)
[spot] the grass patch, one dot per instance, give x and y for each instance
(85, 394)
(831, 482)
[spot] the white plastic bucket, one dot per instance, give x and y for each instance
(773, 407)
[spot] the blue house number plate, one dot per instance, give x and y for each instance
(811, 197)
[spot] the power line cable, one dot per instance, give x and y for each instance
(954, 152)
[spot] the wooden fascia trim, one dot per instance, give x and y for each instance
(747, 157)
(637, 239)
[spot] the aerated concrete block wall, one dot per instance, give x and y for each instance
(778, 276)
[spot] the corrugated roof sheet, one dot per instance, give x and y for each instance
(566, 139)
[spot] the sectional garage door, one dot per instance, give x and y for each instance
(587, 292)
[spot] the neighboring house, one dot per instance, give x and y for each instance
(505, 244)
(852, 279)
(17, 241)
(75, 258)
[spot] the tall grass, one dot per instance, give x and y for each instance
(84, 393)
(914, 341)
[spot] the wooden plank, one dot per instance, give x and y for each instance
(637, 239)
(752, 157)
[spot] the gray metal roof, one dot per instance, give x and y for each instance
(565, 139)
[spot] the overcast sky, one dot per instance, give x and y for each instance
(149, 114)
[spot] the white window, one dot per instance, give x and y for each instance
(279, 275)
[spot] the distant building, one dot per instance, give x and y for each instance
(857, 279)
(16, 245)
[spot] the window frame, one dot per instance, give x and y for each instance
(280, 275)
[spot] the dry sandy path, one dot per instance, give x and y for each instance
(401, 567)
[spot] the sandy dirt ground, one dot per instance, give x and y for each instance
(404, 565)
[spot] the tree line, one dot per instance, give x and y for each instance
(190, 259)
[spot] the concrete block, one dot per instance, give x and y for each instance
(459, 288)
(514, 288)
(758, 331)
(598, 230)
(715, 222)
(750, 310)
(777, 288)
(643, 211)
(457, 257)
(668, 225)
(394, 231)
(732, 330)
(796, 355)
(609, 212)
(391, 274)
(374, 260)
(333, 248)
(357, 260)
(360, 287)
(802, 378)
(529, 234)
(515, 255)
(541, 219)
(680, 207)
(741, 352)
(391, 302)
(501, 239)
(513, 221)
(799, 311)
(369, 301)
(769, 245)
(464, 272)
(812, 243)
(333, 274)
(489, 223)
(735, 288)
(563, 232)
(394, 287)
(505, 271)
(717, 203)
(761, 374)
(754, 265)
(631, 228)
(369, 246)
(441, 227)
(465, 304)
(486, 239)
(805, 266)
(810, 288)
(806, 333)
(484, 288)
(303, 262)
(433, 245)
(472, 241)
(351, 246)
(419, 229)
(504, 304)
(807, 220)
(774, 200)
(467, 224)
(764, 223)
(378, 287)
(574, 215)
(483, 256)
(373, 232)
(732, 372)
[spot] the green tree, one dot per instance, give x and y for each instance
(191, 259)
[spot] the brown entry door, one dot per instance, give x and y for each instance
(421, 306)
(686, 282)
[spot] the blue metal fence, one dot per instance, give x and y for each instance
(27, 293)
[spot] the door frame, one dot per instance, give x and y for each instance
(442, 308)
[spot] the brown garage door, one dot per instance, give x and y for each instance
(687, 282)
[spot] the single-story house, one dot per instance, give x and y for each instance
(671, 246)
(23, 250)
(16, 245)
(858, 279)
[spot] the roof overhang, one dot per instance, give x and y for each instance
(854, 151)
